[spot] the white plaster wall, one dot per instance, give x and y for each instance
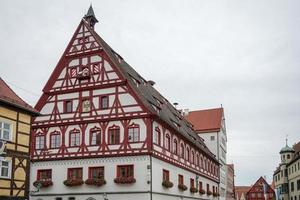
(59, 174)
(157, 169)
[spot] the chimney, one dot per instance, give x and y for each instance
(186, 112)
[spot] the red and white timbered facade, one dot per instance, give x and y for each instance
(106, 132)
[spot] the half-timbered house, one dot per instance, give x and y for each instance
(15, 122)
(106, 133)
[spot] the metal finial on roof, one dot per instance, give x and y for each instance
(286, 140)
(90, 16)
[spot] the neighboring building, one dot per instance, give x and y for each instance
(261, 190)
(107, 133)
(15, 120)
(287, 174)
(210, 125)
(241, 192)
(230, 193)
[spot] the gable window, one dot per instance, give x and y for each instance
(134, 133)
(5, 131)
(175, 147)
(55, 140)
(125, 171)
(68, 106)
(114, 135)
(5, 168)
(75, 173)
(96, 172)
(74, 138)
(180, 179)
(44, 175)
(167, 142)
(166, 175)
(86, 105)
(156, 136)
(182, 150)
(40, 141)
(104, 102)
(95, 136)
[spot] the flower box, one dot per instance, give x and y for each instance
(209, 193)
(167, 184)
(182, 187)
(95, 181)
(193, 190)
(202, 191)
(73, 182)
(42, 183)
(124, 180)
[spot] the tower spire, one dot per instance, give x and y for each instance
(90, 17)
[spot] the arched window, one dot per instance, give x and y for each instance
(182, 150)
(74, 138)
(167, 142)
(40, 141)
(187, 154)
(205, 164)
(192, 157)
(197, 159)
(156, 136)
(114, 135)
(175, 147)
(55, 140)
(201, 162)
(134, 133)
(95, 136)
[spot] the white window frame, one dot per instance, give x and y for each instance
(2, 159)
(2, 128)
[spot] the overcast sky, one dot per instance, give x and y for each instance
(201, 54)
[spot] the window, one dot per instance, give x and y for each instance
(187, 154)
(104, 102)
(156, 137)
(40, 141)
(74, 138)
(167, 142)
(182, 150)
(96, 172)
(125, 171)
(86, 105)
(44, 175)
(288, 156)
(166, 175)
(134, 133)
(5, 131)
(201, 162)
(207, 187)
(58, 198)
(298, 185)
(114, 135)
(192, 157)
(175, 148)
(71, 198)
(68, 106)
(95, 136)
(5, 168)
(55, 140)
(192, 183)
(180, 179)
(197, 159)
(292, 187)
(212, 138)
(75, 173)
(200, 186)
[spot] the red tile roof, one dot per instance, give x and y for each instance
(8, 96)
(239, 190)
(209, 120)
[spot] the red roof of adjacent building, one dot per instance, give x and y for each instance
(239, 190)
(209, 120)
(8, 96)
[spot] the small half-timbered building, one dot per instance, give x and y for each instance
(261, 190)
(106, 133)
(15, 122)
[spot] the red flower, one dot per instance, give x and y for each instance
(42, 183)
(95, 181)
(73, 182)
(124, 180)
